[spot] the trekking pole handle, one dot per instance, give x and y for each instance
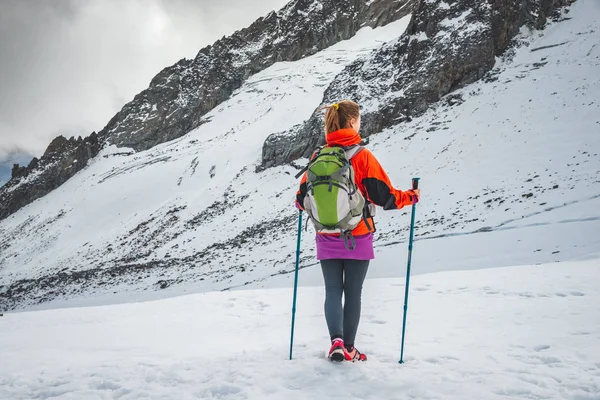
(415, 183)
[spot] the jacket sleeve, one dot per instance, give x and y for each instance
(379, 188)
(301, 193)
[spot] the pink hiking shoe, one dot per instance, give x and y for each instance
(351, 354)
(337, 350)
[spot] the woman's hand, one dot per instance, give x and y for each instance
(415, 194)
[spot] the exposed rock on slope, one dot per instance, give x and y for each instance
(447, 45)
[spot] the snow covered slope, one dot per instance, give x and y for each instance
(527, 332)
(510, 174)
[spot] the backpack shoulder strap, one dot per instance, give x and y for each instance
(303, 170)
(351, 151)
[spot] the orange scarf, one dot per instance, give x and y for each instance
(343, 137)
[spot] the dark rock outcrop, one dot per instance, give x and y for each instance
(62, 159)
(137, 270)
(447, 45)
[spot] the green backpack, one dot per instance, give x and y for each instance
(333, 201)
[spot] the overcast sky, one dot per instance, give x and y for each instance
(67, 66)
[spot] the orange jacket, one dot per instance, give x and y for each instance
(369, 176)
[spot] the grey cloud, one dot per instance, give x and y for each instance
(67, 66)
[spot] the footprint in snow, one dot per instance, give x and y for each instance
(541, 347)
(526, 294)
(220, 391)
(549, 360)
(440, 360)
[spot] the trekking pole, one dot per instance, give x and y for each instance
(296, 281)
(415, 185)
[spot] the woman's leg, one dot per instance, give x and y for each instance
(355, 272)
(333, 274)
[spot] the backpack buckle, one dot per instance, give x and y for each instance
(349, 237)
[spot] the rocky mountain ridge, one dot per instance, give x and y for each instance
(180, 95)
(62, 159)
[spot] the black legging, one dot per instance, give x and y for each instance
(345, 276)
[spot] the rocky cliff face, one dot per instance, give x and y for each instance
(62, 159)
(447, 45)
(180, 95)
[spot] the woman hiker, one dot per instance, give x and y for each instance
(345, 260)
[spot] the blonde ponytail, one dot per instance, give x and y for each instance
(339, 115)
